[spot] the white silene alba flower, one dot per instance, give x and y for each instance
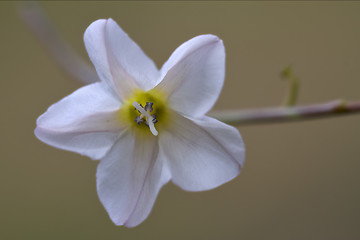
(146, 126)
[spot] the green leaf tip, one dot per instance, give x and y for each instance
(293, 91)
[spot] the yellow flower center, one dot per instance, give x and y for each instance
(145, 112)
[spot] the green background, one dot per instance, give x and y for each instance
(300, 181)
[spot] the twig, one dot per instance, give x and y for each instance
(40, 25)
(287, 114)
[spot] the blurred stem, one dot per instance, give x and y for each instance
(287, 114)
(77, 68)
(37, 21)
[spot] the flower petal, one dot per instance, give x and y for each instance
(194, 75)
(149, 193)
(129, 178)
(119, 61)
(131, 57)
(85, 122)
(202, 154)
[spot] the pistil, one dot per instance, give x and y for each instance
(145, 114)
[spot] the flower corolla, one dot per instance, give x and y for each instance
(146, 126)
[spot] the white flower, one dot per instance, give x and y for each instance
(147, 126)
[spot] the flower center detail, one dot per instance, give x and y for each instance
(151, 112)
(146, 116)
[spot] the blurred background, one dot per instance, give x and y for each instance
(300, 181)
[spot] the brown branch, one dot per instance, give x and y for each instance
(287, 114)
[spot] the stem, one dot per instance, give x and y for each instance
(287, 114)
(37, 21)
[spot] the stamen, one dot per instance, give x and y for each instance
(148, 107)
(150, 119)
(139, 120)
(154, 119)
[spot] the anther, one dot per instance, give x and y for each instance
(138, 120)
(154, 119)
(149, 107)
